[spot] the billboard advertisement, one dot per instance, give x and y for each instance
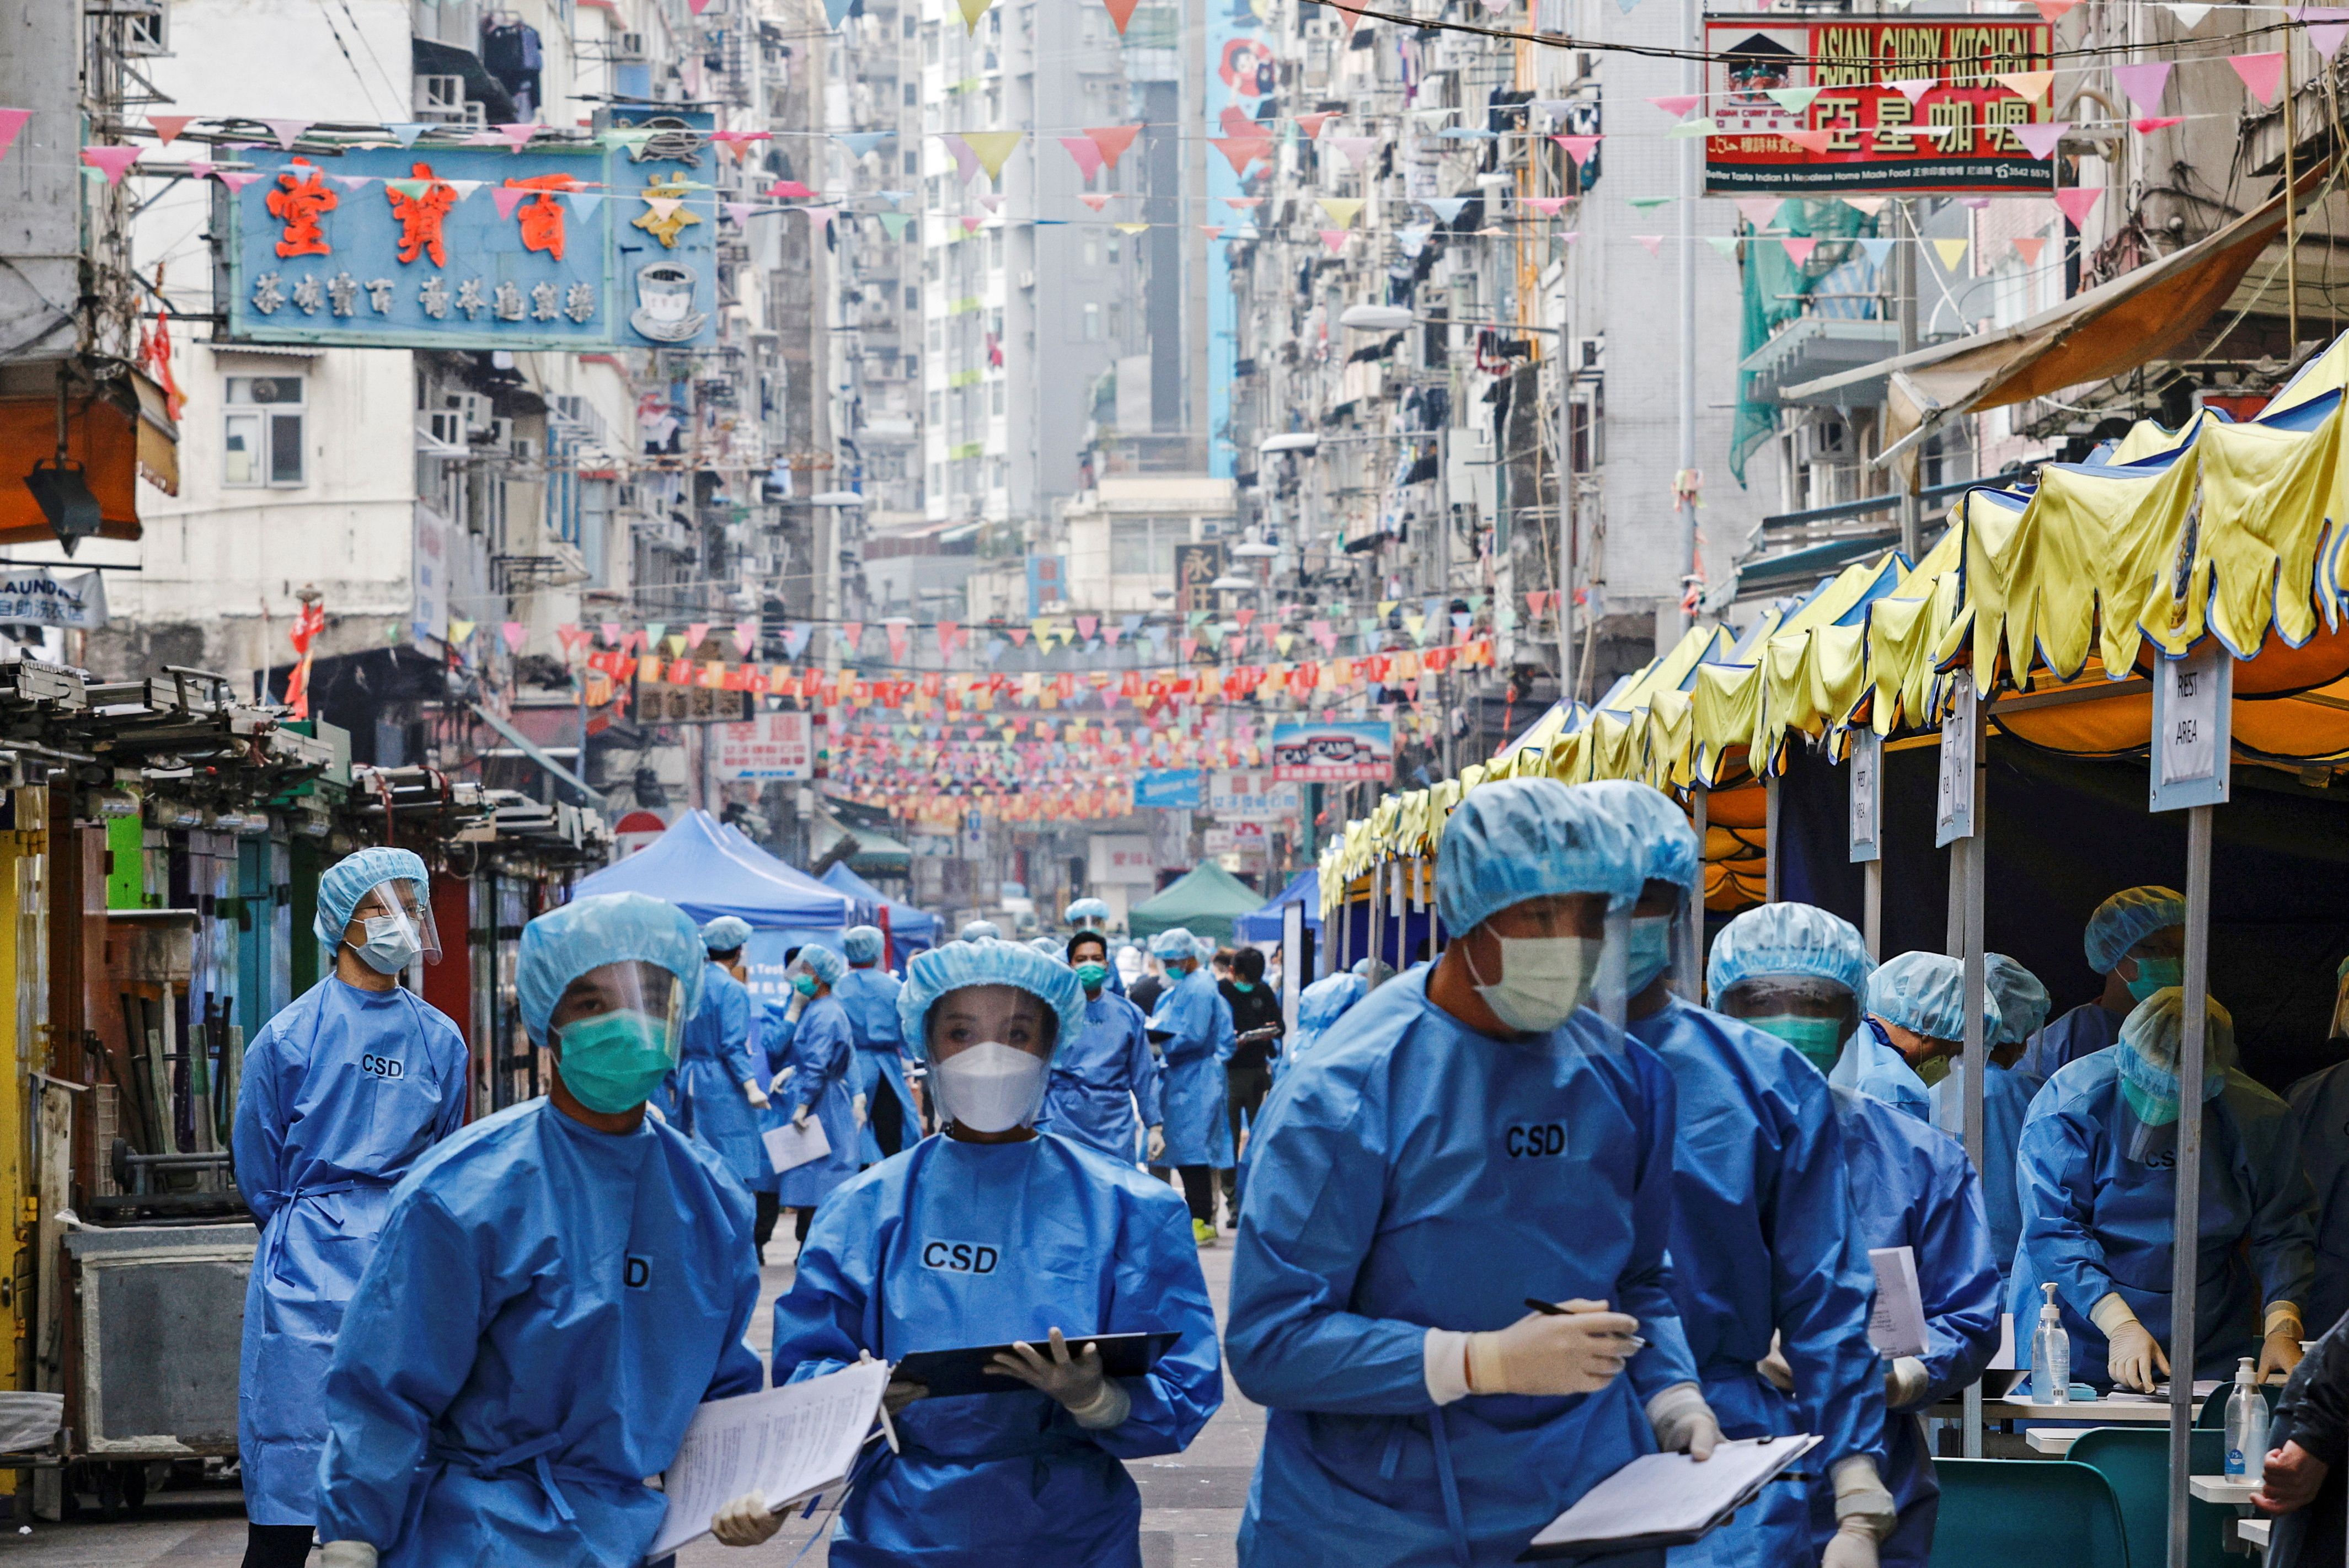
(1253, 796)
(1176, 789)
(592, 246)
(771, 746)
(1334, 753)
(1835, 105)
(1196, 567)
(1119, 859)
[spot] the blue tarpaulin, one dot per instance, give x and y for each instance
(707, 869)
(1264, 925)
(910, 929)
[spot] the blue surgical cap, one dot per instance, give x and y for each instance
(1526, 838)
(1667, 844)
(1175, 943)
(1927, 991)
(725, 933)
(981, 931)
(2153, 1037)
(1050, 946)
(2125, 919)
(822, 963)
(960, 964)
(1787, 939)
(1086, 909)
(2022, 1000)
(586, 934)
(347, 881)
(861, 944)
(1362, 965)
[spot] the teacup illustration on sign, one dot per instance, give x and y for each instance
(665, 310)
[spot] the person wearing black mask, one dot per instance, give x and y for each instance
(1257, 1023)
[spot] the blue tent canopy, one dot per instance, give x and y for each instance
(707, 869)
(910, 929)
(1264, 925)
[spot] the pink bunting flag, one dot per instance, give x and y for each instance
(1355, 150)
(288, 131)
(1758, 211)
(200, 168)
(2325, 27)
(1333, 238)
(820, 218)
(1086, 151)
(1578, 147)
(514, 632)
(737, 212)
(1677, 105)
(114, 162)
(2053, 10)
(2078, 200)
(1812, 141)
(2261, 74)
(1113, 140)
(1571, 235)
(2028, 247)
(1213, 230)
(1913, 87)
(1547, 206)
(2039, 137)
(2143, 84)
(517, 134)
(1311, 124)
(992, 202)
(1798, 250)
(168, 126)
(1096, 199)
(787, 190)
(746, 636)
(506, 198)
(12, 120)
(970, 224)
(236, 179)
(1242, 204)
(1242, 151)
(967, 162)
(1654, 243)
(611, 630)
(2152, 123)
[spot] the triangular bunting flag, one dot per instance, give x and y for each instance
(1951, 253)
(2078, 200)
(1578, 147)
(991, 147)
(2028, 86)
(2039, 138)
(1794, 100)
(1654, 243)
(1113, 140)
(288, 131)
(2143, 84)
(1341, 209)
(1088, 154)
(1096, 199)
(1677, 104)
(1809, 140)
(2028, 247)
(2261, 74)
(1242, 151)
(1333, 238)
(169, 126)
(1355, 150)
(1799, 248)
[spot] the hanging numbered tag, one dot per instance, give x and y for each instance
(2193, 710)
(1866, 794)
(1953, 813)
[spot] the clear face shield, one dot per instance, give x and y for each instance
(1815, 1015)
(616, 1032)
(2341, 1006)
(990, 1050)
(392, 926)
(1661, 942)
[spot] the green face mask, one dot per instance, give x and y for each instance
(1933, 1070)
(2148, 1106)
(1243, 986)
(803, 984)
(613, 1062)
(1819, 1039)
(2156, 974)
(1092, 977)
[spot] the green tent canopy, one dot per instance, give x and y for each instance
(1205, 902)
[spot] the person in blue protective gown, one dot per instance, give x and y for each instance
(1192, 1026)
(1104, 1088)
(1319, 1005)
(2137, 941)
(1466, 1138)
(716, 1092)
(2097, 1181)
(558, 1287)
(882, 1102)
(2320, 1119)
(343, 1091)
(1760, 1219)
(1916, 1005)
(1069, 1242)
(1092, 915)
(2007, 1091)
(822, 1060)
(1912, 1186)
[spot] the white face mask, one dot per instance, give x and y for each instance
(391, 946)
(990, 1086)
(1543, 980)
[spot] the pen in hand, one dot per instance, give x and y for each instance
(1551, 1309)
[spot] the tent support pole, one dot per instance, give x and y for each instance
(2186, 1233)
(1692, 960)
(1976, 848)
(1377, 914)
(1770, 862)
(1871, 914)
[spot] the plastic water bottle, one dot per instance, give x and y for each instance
(2247, 1427)
(2051, 1355)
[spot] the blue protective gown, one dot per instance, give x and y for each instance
(343, 1091)
(1319, 1005)
(549, 1306)
(823, 1051)
(1873, 1064)
(1759, 1233)
(869, 997)
(1194, 1028)
(1413, 1174)
(2085, 1030)
(1064, 1238)
(1097, 1081)
(2006, 1100)
(2320, 1117)
(1912, 1186)
(2094, 1221)
(702, 1095)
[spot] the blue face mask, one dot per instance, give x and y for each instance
(1243, 986)
(1819, 1039)
(613, 1062)
(1650, 953)
(1092, 977)
(803, 984)
(2156, 974)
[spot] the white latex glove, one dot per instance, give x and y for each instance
(1158, 1144)
(1683, 1423)
(1773, 1368)
(1853, 1545)
(2134, 1359)
(347, 1554)
(1905, 1382)
(1579, 1351)
(2279, 1345)
(797, 1006)
(1078, 1382)
(856, 1109)
(745, 1521)
(781, 1078)
(800, 1118)
(757, 1098)
(1862, 1505)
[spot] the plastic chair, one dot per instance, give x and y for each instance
(1999, 1513)
(2135, 1461)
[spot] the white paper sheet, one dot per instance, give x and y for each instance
(786, 1443)
(1895, 1323)
(790, 1145)
(1672, 1495)
(2004, 1360)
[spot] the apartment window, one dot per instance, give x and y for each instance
(1117, 322)
(913, 95)
(263, 431)
(1093, 252)
(1144, 546)
(1093, 322)
(1113, 252)
(912, 25)
(913, 298)
(999, 396)
(938, 406)
(930, 43)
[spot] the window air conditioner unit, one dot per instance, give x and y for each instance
(472, 408)
(147, 31)
(629, 49)
(521, 446)
(441, 97)
(446, 428)
(1590, 353)
(500, 434)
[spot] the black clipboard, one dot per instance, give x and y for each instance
(948, 1374)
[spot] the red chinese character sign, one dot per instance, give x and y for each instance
(1848, 105)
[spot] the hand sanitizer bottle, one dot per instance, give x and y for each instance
(2051, 1355)
(2247, 1427)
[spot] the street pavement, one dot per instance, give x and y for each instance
(1190, 1501)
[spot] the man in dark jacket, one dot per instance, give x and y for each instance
(2305, 1484)
(1247, 1077)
